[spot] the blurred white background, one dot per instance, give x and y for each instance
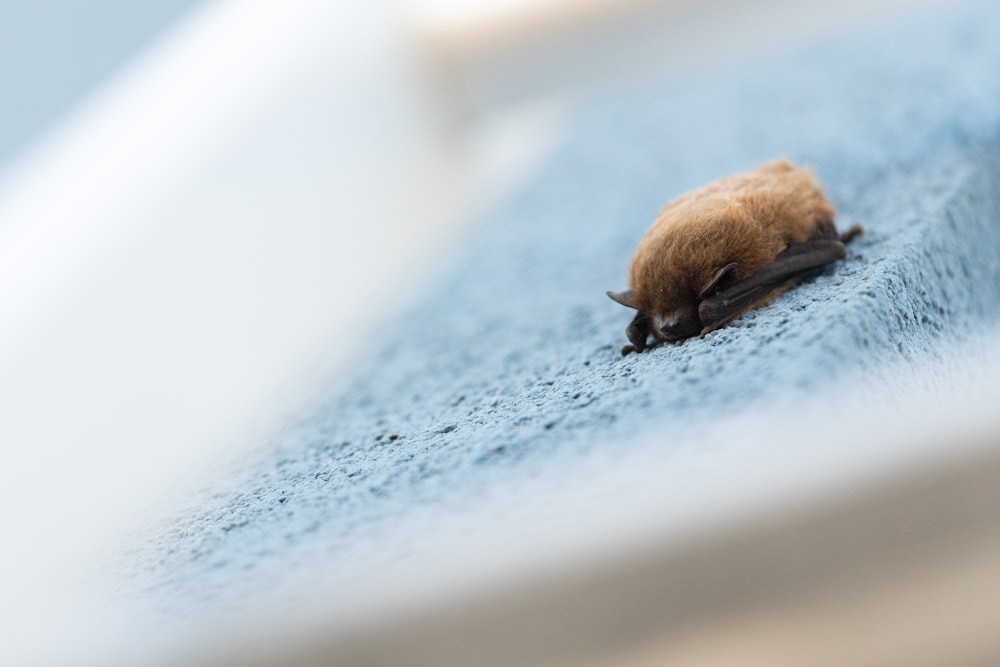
(191, 234)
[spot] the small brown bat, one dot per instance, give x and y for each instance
(715, 253)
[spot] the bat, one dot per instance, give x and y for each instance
(715, 253)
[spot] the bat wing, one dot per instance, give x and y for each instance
(793, 263)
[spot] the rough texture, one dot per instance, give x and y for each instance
(512, 362)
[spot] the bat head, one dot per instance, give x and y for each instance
(672, 325)
(670, 315)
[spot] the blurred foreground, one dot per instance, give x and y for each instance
(900, 572)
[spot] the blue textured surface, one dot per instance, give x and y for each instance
(512, 362)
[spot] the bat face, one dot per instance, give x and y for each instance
(715, 253)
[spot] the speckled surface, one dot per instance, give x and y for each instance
(511, 363)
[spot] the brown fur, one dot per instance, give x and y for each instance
(746, 219)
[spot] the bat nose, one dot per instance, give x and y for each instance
(677, 324)
(669, 323)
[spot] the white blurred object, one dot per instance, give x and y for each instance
(238, 208)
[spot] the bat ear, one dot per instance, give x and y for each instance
(625, 298)
(726, 272)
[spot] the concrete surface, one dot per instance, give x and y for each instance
(510, 368)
